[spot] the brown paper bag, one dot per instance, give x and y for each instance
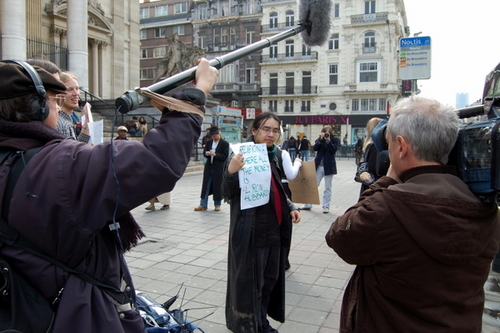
(304, 187)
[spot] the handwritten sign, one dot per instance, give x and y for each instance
(255, 176)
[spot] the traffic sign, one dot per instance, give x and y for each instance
(415, 58)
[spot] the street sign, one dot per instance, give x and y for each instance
(415, 58)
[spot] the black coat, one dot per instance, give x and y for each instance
(326, 150)
(215, 168)
(242, 305)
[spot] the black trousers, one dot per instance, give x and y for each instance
(267, 270)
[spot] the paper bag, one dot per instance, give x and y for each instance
(304, 187)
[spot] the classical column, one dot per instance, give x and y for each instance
(78, 40)
(13, 28)
(95, 70)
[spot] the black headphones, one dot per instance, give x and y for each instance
(38, 103)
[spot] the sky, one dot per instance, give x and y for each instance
(465, 45)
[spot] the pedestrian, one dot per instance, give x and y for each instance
(422, 241)
(259, 239)
(68, 123)
(370, 155)
(122, 133)
(292, 147)
(216, 152)
(358, 150)
(72, 201)
(304, 147)
(326, 146)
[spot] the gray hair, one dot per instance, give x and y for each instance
(430, 127)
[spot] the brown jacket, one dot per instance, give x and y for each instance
(423, 250)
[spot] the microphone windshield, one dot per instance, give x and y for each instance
(315, 15)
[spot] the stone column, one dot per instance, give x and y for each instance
(95, 66)
(78, 40)
(13, 28)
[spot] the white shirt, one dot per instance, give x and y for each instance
(291, 170)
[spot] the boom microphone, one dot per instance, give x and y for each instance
(314, 26)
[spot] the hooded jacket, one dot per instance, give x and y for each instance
(77, 188)
(423, 250)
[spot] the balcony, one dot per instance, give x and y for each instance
(235, 87)
(369, 18)
(369, 48)
(275, 28)
(299, 57)
(308, 90)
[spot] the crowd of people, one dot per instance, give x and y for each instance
(422, 243)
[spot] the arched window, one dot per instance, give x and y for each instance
(273, 20)
(369, 43)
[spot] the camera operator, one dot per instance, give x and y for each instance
(422, 241)
(326, 146)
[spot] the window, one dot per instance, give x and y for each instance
(369, 104)
(289, 49)
(333, 42)
(146, 74)
(232, 35)
(144, 34)
(273, 106)
(289, 18)
(273, 52)
(144, 13)
(333, 74)
(273, 83)
(336, 10)
(158, 52)
(273, 20)
(290, 83)
(159, 32)
(144, 53)
(224, 4)
(227, 74)
(306, 50)
(180, 7)
(370, 7)
(369, 44)
(368, 72)
(202, 12)
(288, 105)
(250, 35)
(250, 75)
(201, 42)
(179, 29)
(224, 32)
(161, 10)
(306, 106)
(217, 36)
(306, 82)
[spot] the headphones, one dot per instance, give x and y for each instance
(38, 104)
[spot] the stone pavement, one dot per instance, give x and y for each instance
(186, 251)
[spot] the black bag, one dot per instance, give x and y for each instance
(22, 308)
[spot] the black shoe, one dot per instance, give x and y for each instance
(273, 330)
(304, 208)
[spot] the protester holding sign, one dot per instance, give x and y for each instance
(259, 238)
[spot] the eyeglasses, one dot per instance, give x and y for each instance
(269, 130)
(58, 100)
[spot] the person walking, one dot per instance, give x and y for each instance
(216, 152)
(326, 166)
(304, 147)
(259, 239)
(421, 241)
(292, 147)
(370, 155)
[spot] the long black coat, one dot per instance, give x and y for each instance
(242, 305)
(215, 168)
(326, 150)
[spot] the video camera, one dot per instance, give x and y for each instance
(476, 153)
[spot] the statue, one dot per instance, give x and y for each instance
(177, 58)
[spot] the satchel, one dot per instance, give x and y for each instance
(363, 167)
(22, 308)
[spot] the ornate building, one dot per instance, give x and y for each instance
(98, 41)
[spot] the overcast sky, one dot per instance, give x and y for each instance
(465, 41)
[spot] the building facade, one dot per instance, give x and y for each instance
(344, 83)
(98, 41)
